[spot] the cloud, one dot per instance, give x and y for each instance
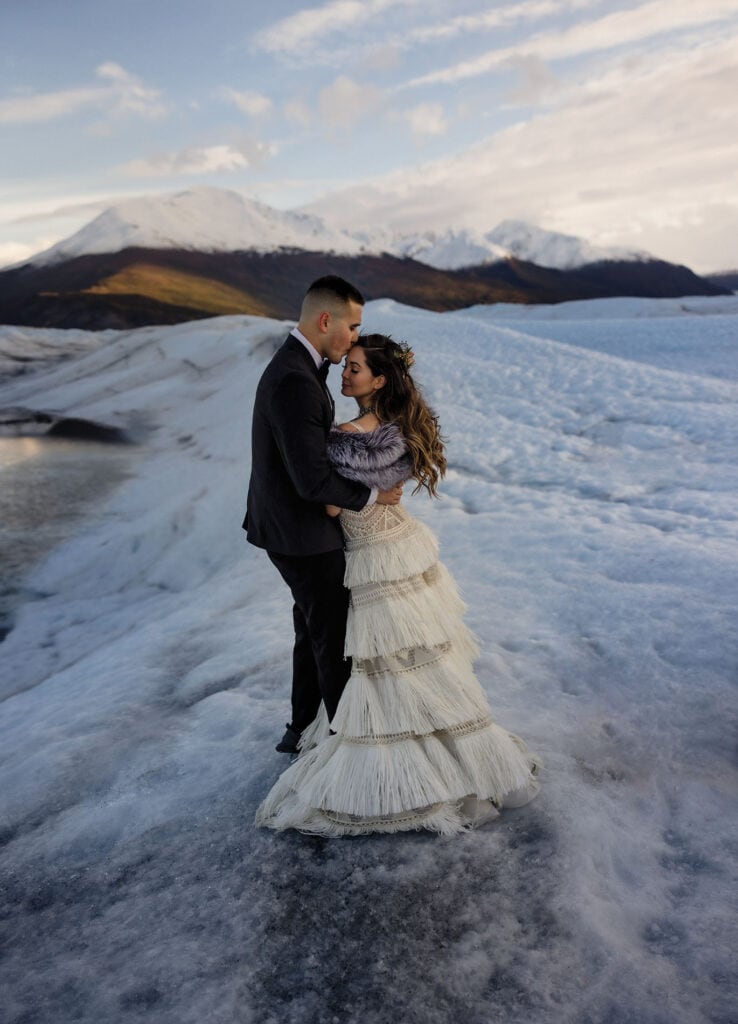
(249, 102)
(68, 209)
(298, 32)
(122, 93)
(128, 94)
(536, 80)
(503, 15)
(700, 237)
(19, 252)
(46, 106)
(381, 57)
(425, 120)
(199, 160)
(634, 25)
(594, 166)
(343, 102)
(301, 32)
(298, 111)
(307, 33)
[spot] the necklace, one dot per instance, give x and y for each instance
(364, 410)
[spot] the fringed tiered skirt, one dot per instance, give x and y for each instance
(412, 744)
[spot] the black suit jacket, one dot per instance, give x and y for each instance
(291, 477)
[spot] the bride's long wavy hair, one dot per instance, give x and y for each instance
(401, 401)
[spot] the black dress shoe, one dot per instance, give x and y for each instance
(288, 743)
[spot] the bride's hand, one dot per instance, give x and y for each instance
(333, 510)
(392, 497)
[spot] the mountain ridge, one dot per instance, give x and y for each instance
(209, 219)
(138, 287)
(727, 279)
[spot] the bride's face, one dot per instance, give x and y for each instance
(357, 380)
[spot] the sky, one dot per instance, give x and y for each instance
(614, 121)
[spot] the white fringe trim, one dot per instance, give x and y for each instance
(437, 694)
(318, 730)
(384, 557)
(377, 780)
(445, 819)
(422, 617)
(385, 779)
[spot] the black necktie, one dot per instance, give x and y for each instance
(323, 370)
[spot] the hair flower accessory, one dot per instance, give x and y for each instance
(405, 354)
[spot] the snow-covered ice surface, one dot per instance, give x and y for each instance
(660, 332)
(589, 516)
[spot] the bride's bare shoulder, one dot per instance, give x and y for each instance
(362, 425)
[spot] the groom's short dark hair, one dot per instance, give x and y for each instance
(335, 286)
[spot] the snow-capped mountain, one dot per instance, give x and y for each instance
(210, 252)
(552, 249)
(449, 250)
(209, 219)
(456, 249)
(204, 219)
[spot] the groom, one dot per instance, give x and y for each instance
(291, 482)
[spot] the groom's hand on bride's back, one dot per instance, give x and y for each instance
(391, 497)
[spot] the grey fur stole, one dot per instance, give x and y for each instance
(378, 458)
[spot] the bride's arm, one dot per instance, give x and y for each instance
(333, 510)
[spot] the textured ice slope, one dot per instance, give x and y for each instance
(589, 516)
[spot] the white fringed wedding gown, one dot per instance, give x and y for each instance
(413, 744)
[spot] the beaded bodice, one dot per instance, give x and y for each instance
(375, 524)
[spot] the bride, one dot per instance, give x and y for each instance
(412, 744)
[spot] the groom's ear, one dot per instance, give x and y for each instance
(324, 320)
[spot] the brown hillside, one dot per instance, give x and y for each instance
(178, 288)
(136, 287)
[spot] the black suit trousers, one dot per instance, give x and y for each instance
(319, 669)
